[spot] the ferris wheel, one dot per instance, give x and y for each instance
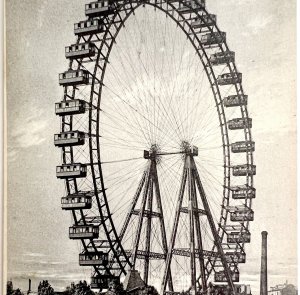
(157, 152)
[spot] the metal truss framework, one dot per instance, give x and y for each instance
(150, 186)
(191, 179)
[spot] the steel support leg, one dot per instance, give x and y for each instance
(174, 231)
(140, 221)
(199, 238)
(133, 204)
(148, 231)
(191, 223)
(213, 229)
(162, 224)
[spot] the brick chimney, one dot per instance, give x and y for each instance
(29, 286)
(264, 265)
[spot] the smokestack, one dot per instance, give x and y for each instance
(29, 286)
(264, 265)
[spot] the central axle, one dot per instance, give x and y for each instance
(186, 148)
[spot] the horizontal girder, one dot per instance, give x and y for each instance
(186, 210)
(146, 213)
(143, 254)
(187, 252)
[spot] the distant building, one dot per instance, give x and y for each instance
(284, 289)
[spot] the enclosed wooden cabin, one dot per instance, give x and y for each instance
(87, 27)
(237, 257)
(74, 77)
(242, 192)
(220, 58)
(70, 107)
(93, 258)
(243, 170)
(89, 231)
(242, 214)
(71, 170)
(99, 8)
(239, 237)
(243, 290)
(102, 282)
(76, 201)
(243, 146)
(206, 21)
(239, 123)
(195, 6)
(240, 289)
(81, 50)
(235, 100)
(229, 78)
(213, 38)
(220, 277)
(70, 138)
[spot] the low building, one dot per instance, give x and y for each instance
(284, 289)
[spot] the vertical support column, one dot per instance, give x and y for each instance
(148, 230)
(162, 223)
(191, 222)
(141, 215)
(174, 230)
(199, 238)
(149, 185)
(214, 230)
(133, 204)
(264, 265)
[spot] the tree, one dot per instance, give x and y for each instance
(148, 290)
(45, 288)
(17, 292)
(81, 288)
(152, 290)
(9, 288)
(70, 290)
(115, 288)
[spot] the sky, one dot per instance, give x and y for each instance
(263, 36)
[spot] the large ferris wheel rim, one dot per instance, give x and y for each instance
(222, 113)
(217, 95)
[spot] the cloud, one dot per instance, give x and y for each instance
(41, 267)
(43, 262)
(32, 254)
(236, 2)
(259, 23)
(31, 132)
(40, 260)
